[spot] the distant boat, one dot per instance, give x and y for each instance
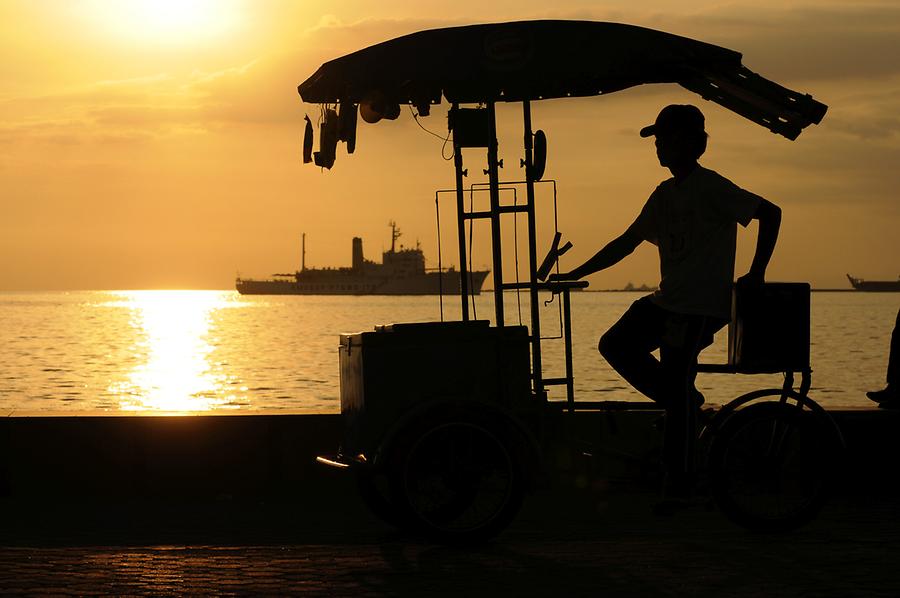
(402, 272)
(874, 285)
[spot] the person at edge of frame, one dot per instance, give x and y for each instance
(889, 396)
(692, 218)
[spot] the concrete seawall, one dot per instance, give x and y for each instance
(129, 457)
(185, 478)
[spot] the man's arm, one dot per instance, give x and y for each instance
(769, 216)
(611, 254)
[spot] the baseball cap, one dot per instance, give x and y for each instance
(676, 118)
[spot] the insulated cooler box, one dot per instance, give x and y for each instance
(769, 329)
(387, 373)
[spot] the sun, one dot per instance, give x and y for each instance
(166, 21)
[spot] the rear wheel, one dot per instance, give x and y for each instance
(771, 465)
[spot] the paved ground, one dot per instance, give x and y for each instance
(235, 506)
(594, 544)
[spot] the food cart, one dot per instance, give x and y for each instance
(448, 423)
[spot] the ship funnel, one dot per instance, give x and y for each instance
(358, 259)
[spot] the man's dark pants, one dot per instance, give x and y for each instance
(893, 370)
(669, 380)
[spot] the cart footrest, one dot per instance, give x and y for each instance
(336, 461)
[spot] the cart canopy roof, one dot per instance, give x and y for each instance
(532, 60)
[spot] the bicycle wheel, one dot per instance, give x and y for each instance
(770, 465)
(460, 481)
(375, 491)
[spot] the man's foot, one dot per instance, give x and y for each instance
(889, 394)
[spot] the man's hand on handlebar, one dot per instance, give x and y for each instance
(562, 276)
(752, 279)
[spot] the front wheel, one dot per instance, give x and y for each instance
(375, 491)
(771, 463)
(460, 480)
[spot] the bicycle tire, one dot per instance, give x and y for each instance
(771, 465)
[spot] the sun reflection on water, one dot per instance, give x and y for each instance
(177, 374)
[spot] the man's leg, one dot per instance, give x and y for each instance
(629, 344)
(893, 371)
(685, 337)
(890, 395)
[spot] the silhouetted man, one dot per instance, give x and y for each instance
(889, 397)
(692, 218)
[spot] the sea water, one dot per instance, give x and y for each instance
(195, 352)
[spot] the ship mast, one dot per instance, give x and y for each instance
(303, 253)
(395, 234)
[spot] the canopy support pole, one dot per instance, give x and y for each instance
(494, 182)
(536, 362)
(461, 227)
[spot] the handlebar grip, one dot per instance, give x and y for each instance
(550, 258)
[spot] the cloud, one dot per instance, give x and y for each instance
(870, 115)
(262, 91)
(798, 46)
(869, 128)
(129, 109)
(847, 43)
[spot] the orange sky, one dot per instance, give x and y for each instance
(156, 143)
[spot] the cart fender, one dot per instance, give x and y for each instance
(722, 416)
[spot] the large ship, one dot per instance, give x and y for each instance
(874, 285)
(401, 272)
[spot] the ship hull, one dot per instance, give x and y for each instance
(878, 286)
(875, 286)
(431, 283)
